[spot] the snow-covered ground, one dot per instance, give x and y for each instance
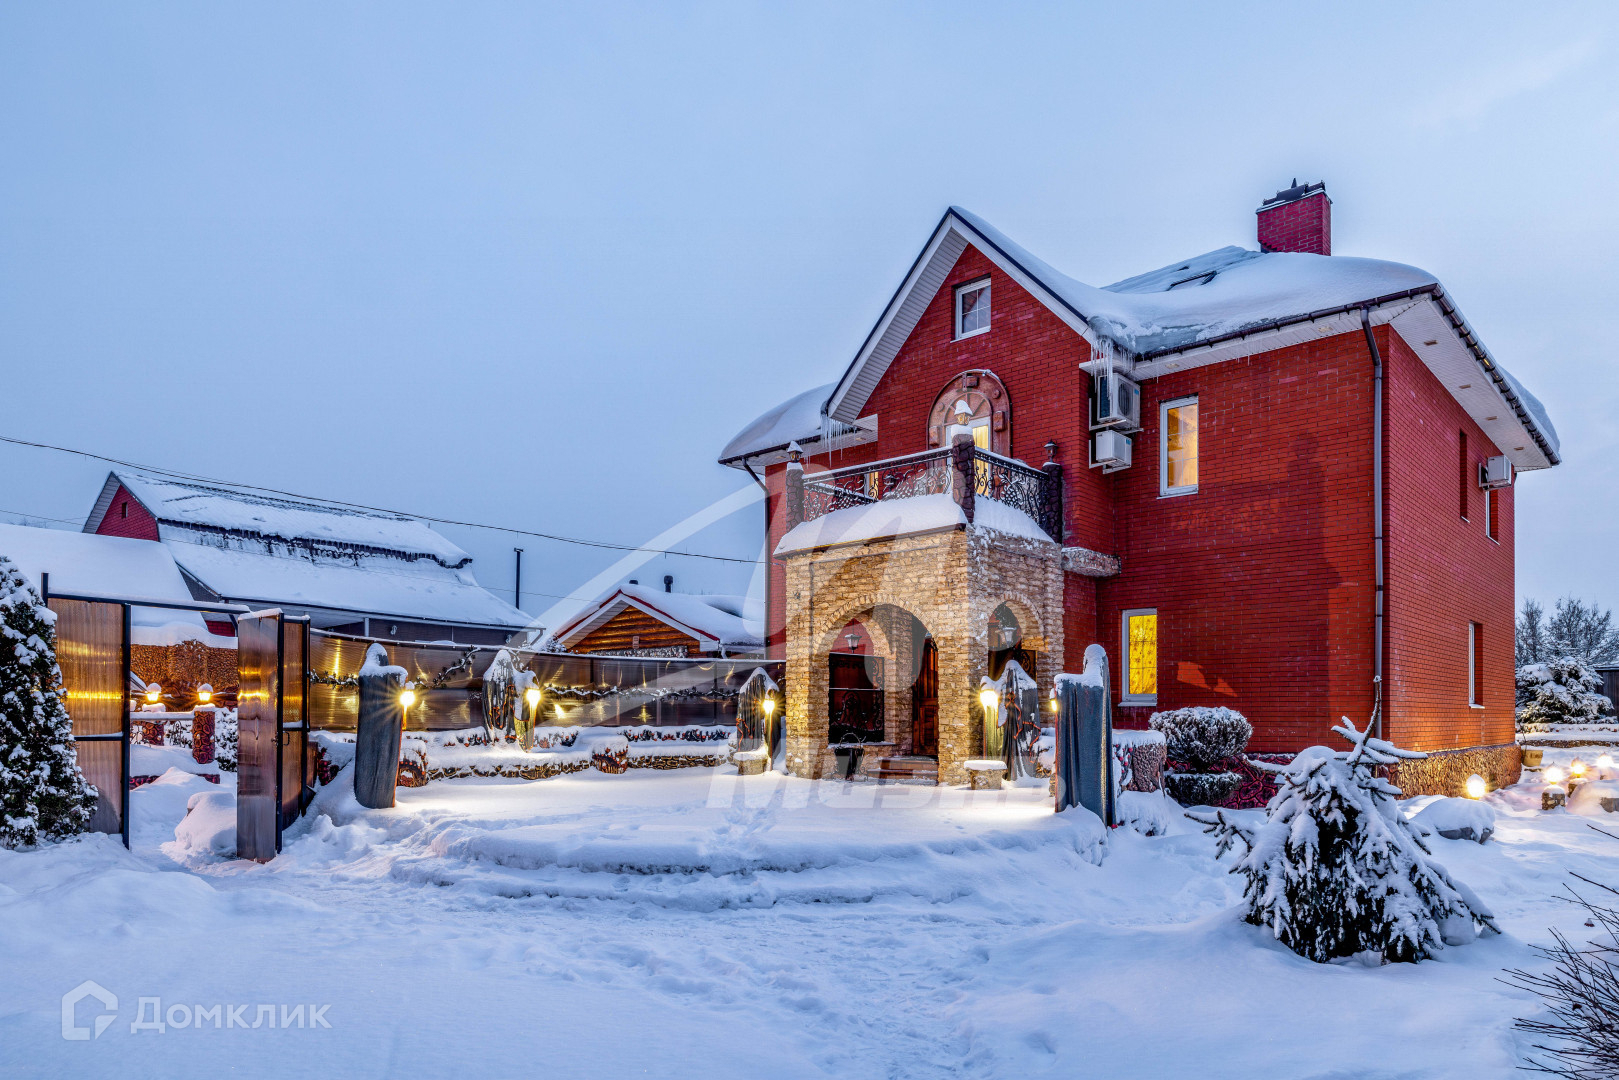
(694, 923)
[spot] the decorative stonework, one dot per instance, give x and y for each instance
(1078, 560)
(984, 396)
(951, 582)
(1445, 772)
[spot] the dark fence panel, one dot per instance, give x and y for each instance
(295, 787)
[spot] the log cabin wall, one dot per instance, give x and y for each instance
(633, 629)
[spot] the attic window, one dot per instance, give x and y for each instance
(972, 308)
(123, 509)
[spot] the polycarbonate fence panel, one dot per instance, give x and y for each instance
(90, 652)
(257, 762)
(294, 733)
(583, 690)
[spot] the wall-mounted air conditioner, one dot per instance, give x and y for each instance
(1494, 473)
(1110, 450)
(1115, 403)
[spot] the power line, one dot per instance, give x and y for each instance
(194, 478)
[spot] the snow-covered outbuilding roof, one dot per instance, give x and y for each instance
(114, 567)
(733, 623)
(273, 550)
(1218, 306)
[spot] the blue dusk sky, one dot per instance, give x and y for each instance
(533, 265)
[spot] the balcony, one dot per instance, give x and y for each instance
(964, 472)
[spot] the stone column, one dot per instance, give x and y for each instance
(793, 498)
(964, 481)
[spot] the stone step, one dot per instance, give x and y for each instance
(906, 776)
(909, 764)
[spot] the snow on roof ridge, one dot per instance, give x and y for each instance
(202, 504)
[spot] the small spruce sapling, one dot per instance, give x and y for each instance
(1337, 871)
(43, 795)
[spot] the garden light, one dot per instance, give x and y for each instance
(1554, 775)
(154, 693)
(768, 705)
(205, 694)
(1056, 705)
(1605, 762)
(989, 699)
(1476, 787)
(532, 696)
(407, 697)
(1577, 769)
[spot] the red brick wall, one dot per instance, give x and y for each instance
(139, 524)
(1444, 572)
(1305, 225)
(1263, 578)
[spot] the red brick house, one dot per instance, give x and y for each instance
(1277, 480)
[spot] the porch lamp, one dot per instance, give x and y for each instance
(407, 697)
(154, 693)
(989, 699)
(205, 694)
(768, 705)
(1476, 787)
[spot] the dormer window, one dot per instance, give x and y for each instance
(972, 308)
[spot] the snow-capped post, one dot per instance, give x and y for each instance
(1337, 871)
(964, 477)
(1053, 470)
(794, 481)
(43, 795)
(1085, 739)
(381, 727)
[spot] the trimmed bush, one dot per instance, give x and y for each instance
(1203, 736)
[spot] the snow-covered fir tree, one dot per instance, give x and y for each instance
(1563, 691)
(43, 796)
(1337, 871)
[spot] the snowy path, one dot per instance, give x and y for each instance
(690, 924)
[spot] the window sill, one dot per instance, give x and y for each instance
(1138, 703)
(971, 334)
(1177, 494)
(1471, 706)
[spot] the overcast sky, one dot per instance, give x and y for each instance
(534, 265)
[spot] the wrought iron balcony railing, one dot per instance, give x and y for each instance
(964, 472)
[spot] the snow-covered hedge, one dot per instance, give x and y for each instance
(1203, 736)
(1564, 691)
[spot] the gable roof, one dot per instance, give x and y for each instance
(716, 621)
(275, 550)
(1218, 306)
(215, 508)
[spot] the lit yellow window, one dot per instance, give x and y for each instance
(1179, 446)
(1141, 644)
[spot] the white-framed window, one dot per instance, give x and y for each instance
(972, 308)
(1177, 446)
(1475, 665)
(1138, 647)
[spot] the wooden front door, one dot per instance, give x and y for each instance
(925, 703)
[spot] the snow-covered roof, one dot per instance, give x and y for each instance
(275, 550)
(890, 518)
(363, 584)
(208, 506)
(716, 620)
(1217, 306)
(112, 566)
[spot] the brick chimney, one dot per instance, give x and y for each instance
(1298, 218)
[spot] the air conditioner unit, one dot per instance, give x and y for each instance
(1115, 403)
(1110, 450)
(1495, 473)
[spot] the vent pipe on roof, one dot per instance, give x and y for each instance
(668, 583)
(1297, 218)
